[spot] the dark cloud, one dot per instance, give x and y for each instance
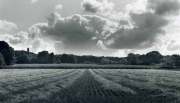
(147, 27)
(95, 6)
(76, 32)
(163, 7)
(72, 31)
(91, 32)
(101, 34)
(90, 6)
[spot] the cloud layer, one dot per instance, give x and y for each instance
(6, 26)
(97, 5)
(163, 7)
(147, 27)
(138, 29)
(143, 26)
(76, 33)
(100, 29)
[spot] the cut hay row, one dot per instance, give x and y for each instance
(38, 86)
(89, 86)
(153, 87)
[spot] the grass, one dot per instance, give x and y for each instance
(89, 86)
(79, 66)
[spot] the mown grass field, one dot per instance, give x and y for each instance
(80, 66)
(89, 86)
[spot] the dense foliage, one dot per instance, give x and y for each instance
(7, 52)
(2, 62)
(25, 57)
(151, 58)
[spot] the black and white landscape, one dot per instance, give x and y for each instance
(89, 51)
(89, 86)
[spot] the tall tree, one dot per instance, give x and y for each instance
(23, 59)
(132, 59)
(2, 62)
(43, 57)
(153, 57)
(65, 58)
(51, 58)
(7, 52)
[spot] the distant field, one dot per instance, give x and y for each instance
(89, 86)
(79, 66)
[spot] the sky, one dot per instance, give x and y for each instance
(92, 27)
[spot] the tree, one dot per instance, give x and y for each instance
(176, 60)
(43, 57)
(57, 59)
(132, 59)
(153, 57)
(34, 60)
(2, 62)
(168, 62)
(65, 58)
(7, 52)
(51, 58)
(23, 59)
(105, 61)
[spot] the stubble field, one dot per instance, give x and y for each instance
(89, 86)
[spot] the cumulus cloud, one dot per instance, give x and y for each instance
(18, 38)
(147, 27)
(105, 31)
(77, 33)
(135, 29)
(163, 7)
(21, 40)
(71, 30)
(91, 6)
(173, 46)
(8, 32)
(139, 6)
(97, 5)
(7, 27)
(58, 7)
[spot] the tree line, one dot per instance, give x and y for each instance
(6, 53)
(9, 56)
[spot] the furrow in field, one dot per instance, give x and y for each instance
(89, 86)
(145, 90)
(150, 81)
(28, 75)
(86, 89)
(31, 81)
(40, 88)
(112, 85)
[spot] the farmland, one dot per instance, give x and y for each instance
(89, 86)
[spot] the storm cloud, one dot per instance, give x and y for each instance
(147, 26)
(97, 5)
(163, 7)
(100, 28)
(76, 32)
(91, 32)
